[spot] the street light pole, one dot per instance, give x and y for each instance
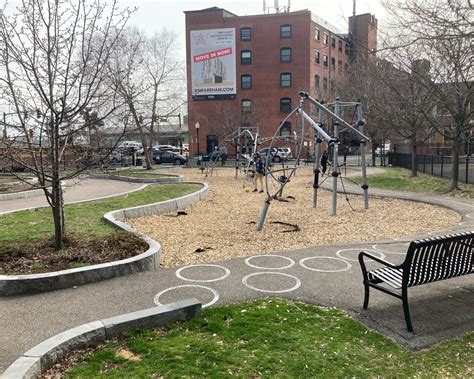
(197, 126)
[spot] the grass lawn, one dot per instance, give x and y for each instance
(399, 179)
(83, 220)
(271, 338)
(131, 173)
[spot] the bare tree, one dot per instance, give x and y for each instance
(440, 32)
(149, 77)
(54, 59)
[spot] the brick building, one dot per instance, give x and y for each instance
(247, 70)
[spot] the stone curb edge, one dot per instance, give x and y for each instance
(171, 179)
(45, 354)
(11, 285)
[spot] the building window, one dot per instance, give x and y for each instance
(333, 63)
(246, 81)
(285, 105)
(340, 45)
(246, 105)
(285, 79)
(317, 81)
(285, 130)
(246, 57)
(346, 49)
(325, 83)
(285, 31)
(317, 57)
(285, 55)
(339, 66)
(325, 38)
(246, 34)
(333, 42)
(325, 60)
(317, 34)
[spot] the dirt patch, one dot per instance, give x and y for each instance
(224, 225)
(41, 256)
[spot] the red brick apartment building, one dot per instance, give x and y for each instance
(243, 64)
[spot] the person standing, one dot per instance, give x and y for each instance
(324, 161)
(259, 172)
(223, 155)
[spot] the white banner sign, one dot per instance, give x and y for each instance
(213, 62)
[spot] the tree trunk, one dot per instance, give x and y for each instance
(457, 140)
(414, 158)
(56, 188)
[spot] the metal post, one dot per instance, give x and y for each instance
(337, 111)
(467, 168)
(237, 155)
(316, 170)
(4, 125)
(432, 164)
(263, 215)
(365, 186)
(442, 165)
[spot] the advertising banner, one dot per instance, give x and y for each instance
(213, 59)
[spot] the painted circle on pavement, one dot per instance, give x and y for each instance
(290, 264)
(156, 299)
(340, 254)
(245, 282)
(405, 245)
(346, 267)
(180, 276)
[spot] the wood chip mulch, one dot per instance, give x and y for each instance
(223, 226)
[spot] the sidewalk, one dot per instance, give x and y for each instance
(322, 275)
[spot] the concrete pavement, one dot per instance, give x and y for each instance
(322, 275)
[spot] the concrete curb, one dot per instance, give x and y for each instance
(11, 285)
(172, 179)
(45, 354)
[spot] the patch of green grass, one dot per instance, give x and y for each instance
(272, 338)
(83, 220)
(140, 174)
(399, 179)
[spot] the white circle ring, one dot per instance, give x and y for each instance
(156, 299)
(302, 264)
(391, 252)
(291, 264)
(296, 286)
(338, 253)
(226, 273)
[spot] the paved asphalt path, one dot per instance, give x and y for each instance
(322, 275)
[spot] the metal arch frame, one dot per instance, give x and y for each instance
(319, 131)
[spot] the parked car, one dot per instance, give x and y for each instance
(160, 156)
(172, 148)
(130, 145)
(214, 156)
(276, 156)
(385, 149)
(286, 151)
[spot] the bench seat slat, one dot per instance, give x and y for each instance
(389, 275)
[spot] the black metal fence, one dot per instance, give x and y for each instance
(438, 165)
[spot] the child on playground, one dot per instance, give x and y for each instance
(324, 161)
(259, 172)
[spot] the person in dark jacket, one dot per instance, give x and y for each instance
(324, 161)
(259, 172)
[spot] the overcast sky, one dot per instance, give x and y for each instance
(153, 15)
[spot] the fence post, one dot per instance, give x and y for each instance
(442, 165)
(424, 163)
(467, 168)
(432, 161)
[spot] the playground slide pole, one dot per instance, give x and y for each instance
(335, 174)
(365, 187)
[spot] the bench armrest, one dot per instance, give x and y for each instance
(363, 254)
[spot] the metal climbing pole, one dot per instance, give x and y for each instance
(317, 153)
(237, 154)
(365, 187)
(337, 112)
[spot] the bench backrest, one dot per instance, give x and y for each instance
(439, 258)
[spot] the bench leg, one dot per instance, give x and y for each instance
(366, 296)
(406, 310)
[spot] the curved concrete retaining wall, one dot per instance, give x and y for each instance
(11, 285)
(171, 179)
(21, 195)
(44, 355)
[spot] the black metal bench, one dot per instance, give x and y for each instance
(428, 260)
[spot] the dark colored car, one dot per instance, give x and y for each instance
(214, 156)
(167, 157)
